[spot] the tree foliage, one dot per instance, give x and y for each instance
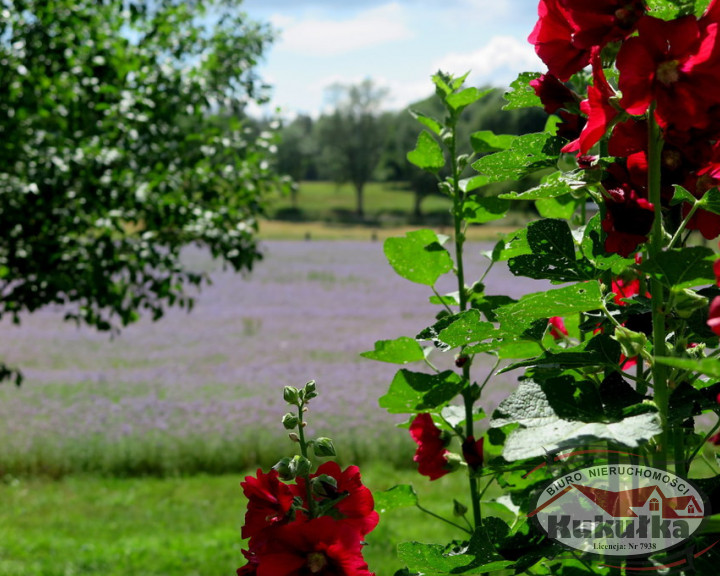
(123, 139)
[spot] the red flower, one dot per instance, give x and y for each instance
(623, 289)
(553, 94)
(716, 269)
(552, 37)
(629, 215)
(674, 64)
(356, 506)
(557, 327)
(714, 439)
(708, 223)
(318, 547)
(473, 452)
(597, 107)
(601, 21)
(713, 320)
(431, 452)
(269, 502)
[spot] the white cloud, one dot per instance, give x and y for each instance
(330, 37)
(497, 63)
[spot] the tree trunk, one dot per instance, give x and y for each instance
(359, 195)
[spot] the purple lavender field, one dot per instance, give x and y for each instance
(203, 391)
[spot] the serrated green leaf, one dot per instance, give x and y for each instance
(479, 210)
(682, 268)
(593, 249)
(427, 121)
(418, 392)
(522, 94)
(399, 351)
(528, 153)
(428, 154)
(400, 496)
(458, 330)
(470, 184)
(542, 431)
(581, 297)
(484, 141)
(418, 256)
(511, 245)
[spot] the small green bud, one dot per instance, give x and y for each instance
(454, 461)
(291, 395)
(459, 509)
(294, 437)
(324, 486)
(286, 469)
(303, 466)
(687, 301)
(290, 421)
(462, 162)
(632, 343)
(323, 447)
(309, 391)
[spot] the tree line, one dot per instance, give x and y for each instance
(357, 142)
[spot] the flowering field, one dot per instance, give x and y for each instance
(201, 391)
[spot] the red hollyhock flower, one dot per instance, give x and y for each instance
(716, 270)
(675, 64)
(601, 21)
(431, 452)
(714, 439)
(553, 94)
(713, 320)
(318, 547)
(473, 452)
(708, 223)
(557, 327)
(356, 507)
(629, 215)
(269, 502)
(552, 37)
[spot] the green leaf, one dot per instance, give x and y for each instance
(460, 100)
(558, 207)
(431, 559)
(592, 246)
(601, 350)
(428, 154)
(470, 184)
(543, 431)
(552, 186)
(708, 366)
(400, 496)
(553, 254)
(418, 392)
(511, 245)
(418, 257)
(711, 201)
(528, 153)
(683, 267)
(399, 351)
(479, 210)
(458, 330)
(485, 141)
(582, 297)
(522, 94)
(681, 195)
(427, 121)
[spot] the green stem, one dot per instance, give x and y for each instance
(304, 451)
(430, 513)
(683, 224)
(655, 247)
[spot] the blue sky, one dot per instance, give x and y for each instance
(397, 43)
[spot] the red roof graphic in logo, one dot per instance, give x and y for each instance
(634, 502)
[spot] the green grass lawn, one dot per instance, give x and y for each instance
(176, 526)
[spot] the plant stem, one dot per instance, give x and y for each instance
(660, 383)
(304, 452)
(468, 398)
(443, 519)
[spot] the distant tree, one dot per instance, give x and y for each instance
(297, 151)
(353, 135)
(122, 140)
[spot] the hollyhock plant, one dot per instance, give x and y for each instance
(301, 523)
(431, 454)
(713, 320)
(595, 24)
